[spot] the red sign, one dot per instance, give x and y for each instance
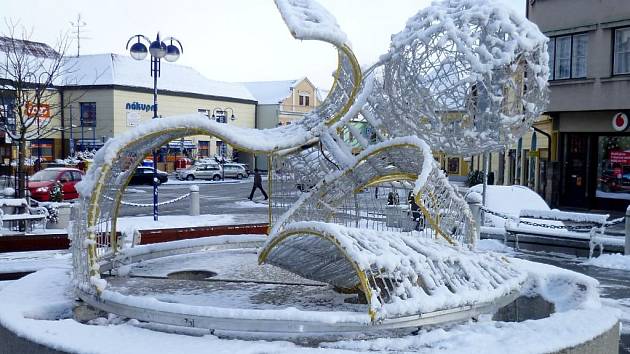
(622, 157)
(620, 122)
(41, 111)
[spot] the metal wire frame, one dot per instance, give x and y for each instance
(439, 86)
(99, 237)
(389, 163)
(355, 260)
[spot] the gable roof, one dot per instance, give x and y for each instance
(122, 70)
(272, 92)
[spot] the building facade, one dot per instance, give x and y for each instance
(109, 94)
(589, 57)
(281, 103)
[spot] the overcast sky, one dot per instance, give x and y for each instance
(229, 40)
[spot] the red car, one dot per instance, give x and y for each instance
(41, 182)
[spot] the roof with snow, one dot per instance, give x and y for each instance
(113, 69)
(22, 46)
(271, 92)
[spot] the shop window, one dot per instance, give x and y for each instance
(88, 114)
(613, 167)
(622, 51)
(204, 148)
(43, 148)
(221, 148)
(568, 56)
(453, 166)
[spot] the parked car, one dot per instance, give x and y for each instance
(144, 175)
(41, 182)
(200, 171)
(235, 170)
(246, 167)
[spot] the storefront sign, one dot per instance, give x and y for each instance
(620, 156)
(136, 106)
(41, 111)
(620, 122)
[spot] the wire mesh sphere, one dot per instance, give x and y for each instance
(465, 75)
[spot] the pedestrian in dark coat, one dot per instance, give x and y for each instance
(257, 184)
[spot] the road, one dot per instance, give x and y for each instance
(221, 198)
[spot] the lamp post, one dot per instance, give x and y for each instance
(158, 50)
(39, 148)
(222, 118)
(71, 134)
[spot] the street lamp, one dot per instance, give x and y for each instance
(158, 50)
(220, 116)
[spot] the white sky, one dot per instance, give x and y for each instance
(229, 40)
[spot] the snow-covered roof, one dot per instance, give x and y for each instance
(271, 92)
(114, 69)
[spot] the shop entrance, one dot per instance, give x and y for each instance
(575, 171)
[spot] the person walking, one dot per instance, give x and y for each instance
(257, 184)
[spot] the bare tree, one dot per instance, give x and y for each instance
(30, 101)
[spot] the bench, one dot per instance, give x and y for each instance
(563, 227)
(13, 211)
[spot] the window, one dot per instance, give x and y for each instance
(43, 148)
(304, 99)
(622, 51)
(563, 58)
(204, 148)
(568, 56)
(580, 47)
(76, 176)
(551, 50)
(88, 114)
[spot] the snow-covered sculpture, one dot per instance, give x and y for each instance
(463, 77)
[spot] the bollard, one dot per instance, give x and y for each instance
(627, 248)
(194, 200)
(474, 202)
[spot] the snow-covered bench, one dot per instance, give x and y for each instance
(13, 211)
(562, 225)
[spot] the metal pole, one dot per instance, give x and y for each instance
(71, 136)
(39, 147)
(627, 244)
(82, 136)
(486, 163)
(155, 71)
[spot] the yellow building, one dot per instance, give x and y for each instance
(282, 102)
(109, 94)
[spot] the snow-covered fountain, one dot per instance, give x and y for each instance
(464, 76)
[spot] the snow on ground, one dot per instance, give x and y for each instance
(38, 307)
(5, 283)
(612, 261)
(134, 190)
(35, 260)
(172, 221)
(509, 200)
(251, 204)
(493, 246)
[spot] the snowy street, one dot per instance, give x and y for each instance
(215, 198)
